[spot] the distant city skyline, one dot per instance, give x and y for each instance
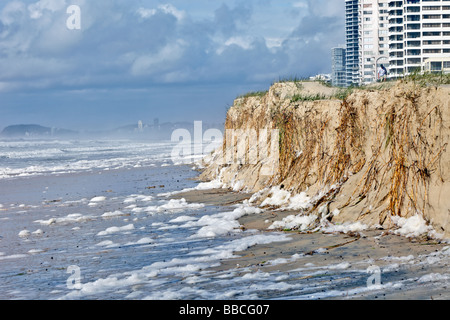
(117, 62)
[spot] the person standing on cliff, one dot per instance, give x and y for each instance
(382, 73)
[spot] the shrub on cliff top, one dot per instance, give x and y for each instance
(253, 94)
(308, 97)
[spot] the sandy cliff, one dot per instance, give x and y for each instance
(377, 157)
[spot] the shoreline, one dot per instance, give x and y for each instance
(404, 263)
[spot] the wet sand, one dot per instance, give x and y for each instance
(408, 268)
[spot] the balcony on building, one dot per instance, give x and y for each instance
(413, 44)
(395, 4)
(413, 52)
(413, 26)
(412, 18)
(413, 35)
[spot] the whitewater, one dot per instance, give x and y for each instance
(94, 219)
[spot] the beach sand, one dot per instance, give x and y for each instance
(409, 268)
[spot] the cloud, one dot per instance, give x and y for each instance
(147, 45)
(37, 9)
(327, 8)
(165, 8)
(229, 20)
(129, 43)
(12, 11)
(158, 63)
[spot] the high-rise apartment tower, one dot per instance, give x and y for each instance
(403, 35)
(352, 42)
(419, 30)
(338, 74)
(373, 39)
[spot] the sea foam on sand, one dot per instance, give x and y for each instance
(413, 226)
(112, 230)
(222, 223)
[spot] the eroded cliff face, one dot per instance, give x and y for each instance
(372, 157)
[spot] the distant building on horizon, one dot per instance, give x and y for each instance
(322, 77)
(338, 73)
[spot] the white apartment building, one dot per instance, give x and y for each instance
(419, 31)
(400, 34)
(373, 38)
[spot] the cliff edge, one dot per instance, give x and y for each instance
(376, 157)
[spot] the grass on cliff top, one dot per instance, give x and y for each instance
(428, 79)
(309, 97)
(420, 79)
(294, 79)
(253, 94)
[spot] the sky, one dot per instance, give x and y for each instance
(115, 62)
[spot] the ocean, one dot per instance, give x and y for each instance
(93, 219)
